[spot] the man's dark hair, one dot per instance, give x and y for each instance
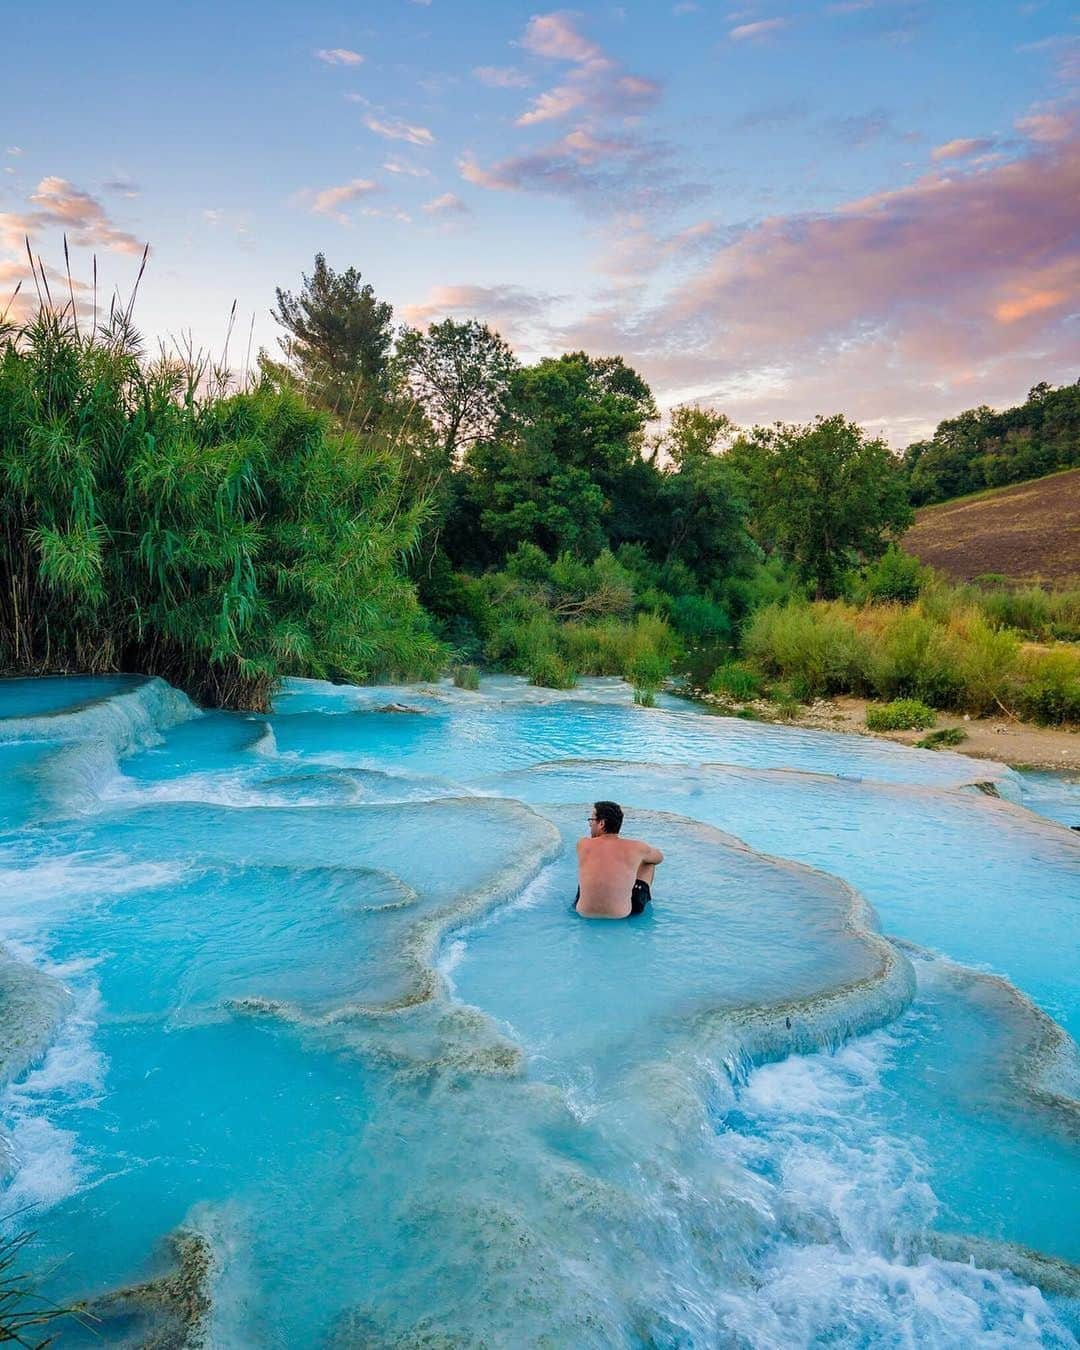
(610, 813)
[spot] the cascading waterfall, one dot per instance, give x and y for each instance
(303, 1047)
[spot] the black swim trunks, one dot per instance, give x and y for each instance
(640, 896)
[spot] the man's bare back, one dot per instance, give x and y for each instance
(609, 867)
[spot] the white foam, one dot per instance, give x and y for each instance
(850, 1203)
(37, 891)
(823, 1294)
(43, 1157)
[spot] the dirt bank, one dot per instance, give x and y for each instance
(1019, 744)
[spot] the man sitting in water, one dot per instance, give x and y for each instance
(614, 874)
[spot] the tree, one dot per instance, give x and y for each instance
(565, 468)
(460, 374)
(694, 431)
(823, 496)
(337, 342)
(699, 501)
(983, 448)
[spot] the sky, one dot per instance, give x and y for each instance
(770, 207)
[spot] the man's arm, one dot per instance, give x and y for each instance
(651, 855)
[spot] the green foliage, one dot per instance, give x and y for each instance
(815, 648)
(460, 373)
(466, 677)
(771, 582)
(905, 714)
(695, 433)
(982, 448)
(911, 657)
(941, 651)
(984, 659)
(219, 542)
(1048, 690)
(896, 576)
(337, 342)
(698, 618)
(786, 707)
(823, 496)
(1031, 611)
(571, 434)
(736, 680)
(943, 736)
(551, 671)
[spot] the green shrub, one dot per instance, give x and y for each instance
(911, 657)
(785, 706)
(699, 619)
(769, 583)
(905, 714)
(551, 671)
(735, 680)
(529, 563)
(1047, 687)
(148, 522)
(1034, 612)
(943, 736)
(817, 648)
(895, 577)
(466, 677)
(983, 660)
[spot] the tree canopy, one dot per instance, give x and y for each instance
(337, 339)
(460, 373)
(982, 448)
(824, 496)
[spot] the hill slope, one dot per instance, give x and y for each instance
(1027, 532)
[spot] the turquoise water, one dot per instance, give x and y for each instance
(303, 1047)
(1056, 795)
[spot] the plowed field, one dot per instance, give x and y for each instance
(1027, 532)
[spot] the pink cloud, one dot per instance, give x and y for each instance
(521, 316)
(553, 104)
(60, 203)
(328, 201)
(397, 130)
(961, 148)
(1047, 127)
(608, 170)
(555, 36)
(761, 28)
(338, 56)
(448, 204)
(409, 170)
(15, 228)
(597, 84)
(899, 308)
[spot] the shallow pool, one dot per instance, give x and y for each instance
(303, 1046)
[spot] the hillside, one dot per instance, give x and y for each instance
(1027, 532)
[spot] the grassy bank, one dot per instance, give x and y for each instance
(951, 649)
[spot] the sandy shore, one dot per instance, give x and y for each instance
(1019, 744)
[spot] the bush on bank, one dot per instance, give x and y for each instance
(220, 542)
(903, 714)
(944, 650)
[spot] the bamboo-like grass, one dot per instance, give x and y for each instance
(155, 518)
(23, 1311)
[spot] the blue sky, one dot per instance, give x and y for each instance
(775, 208)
